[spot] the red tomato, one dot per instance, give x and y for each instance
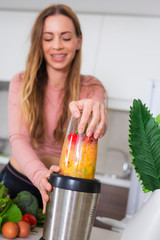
(90, 139)
(32, 219)
(74, 137)
(25, 219)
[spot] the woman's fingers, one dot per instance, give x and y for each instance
(44, 207)
(95, 118)
(98, 116)
(74, 108)
(53, 168)
(101, 128)
(45, 186)
(87, 110)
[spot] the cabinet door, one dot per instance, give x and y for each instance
(128, 56)
(91, 30)
(112, 204)
(15, 27)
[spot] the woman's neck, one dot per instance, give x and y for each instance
(57, 78)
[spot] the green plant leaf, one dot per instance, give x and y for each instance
(144, 143)
(13, 214)
(10, 212)
(158, 119)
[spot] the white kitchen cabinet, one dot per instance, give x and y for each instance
(91, 30)
(143, 7)
(129, 54)
(15, 27)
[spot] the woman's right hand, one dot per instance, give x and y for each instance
(45, 186)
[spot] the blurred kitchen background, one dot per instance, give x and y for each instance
(121, 47)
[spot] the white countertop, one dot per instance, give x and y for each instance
(97, 234)
(4, 159)
(104, 234)
(112, 180)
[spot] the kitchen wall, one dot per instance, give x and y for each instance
(4, 119)
(3, 113)
(132, 7)
(113, 148)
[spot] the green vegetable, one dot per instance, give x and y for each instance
(3, 191)
(83, 131)
(8, 210)
(144, 143)
(10, 213)
(27, 203)
(40, 218)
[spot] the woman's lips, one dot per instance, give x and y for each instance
(58, 57)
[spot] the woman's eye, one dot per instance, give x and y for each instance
(66, 39)
(48, 39)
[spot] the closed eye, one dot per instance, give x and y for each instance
(48, 40)
(66, 39)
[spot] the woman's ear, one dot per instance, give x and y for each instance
(79, 42)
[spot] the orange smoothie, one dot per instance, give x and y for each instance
(79, 155)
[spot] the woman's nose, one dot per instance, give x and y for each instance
(57, 43)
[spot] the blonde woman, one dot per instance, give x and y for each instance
(42, 99)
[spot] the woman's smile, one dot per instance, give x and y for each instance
(58, 57)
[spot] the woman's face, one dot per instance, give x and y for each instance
(59, 42)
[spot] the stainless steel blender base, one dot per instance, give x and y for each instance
(71, 210)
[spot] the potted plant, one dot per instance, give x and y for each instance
(144, 143)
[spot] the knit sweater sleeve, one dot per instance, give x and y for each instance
(92, 88)
(22, 149)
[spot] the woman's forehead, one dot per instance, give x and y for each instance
(58, 23)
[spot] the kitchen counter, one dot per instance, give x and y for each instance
(113, 180)
(4, 159)
(97, 233)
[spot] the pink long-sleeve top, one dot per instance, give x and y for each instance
(24, 152)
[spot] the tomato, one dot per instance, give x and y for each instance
(10, 230)
(90, 139)
(25, 219)
(75, 138)
(24, 229)
(32, 219)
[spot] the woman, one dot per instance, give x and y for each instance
(42, 99)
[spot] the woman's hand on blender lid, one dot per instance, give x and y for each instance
(45, 186)
(97, 112)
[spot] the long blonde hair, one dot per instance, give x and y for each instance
(35, 79)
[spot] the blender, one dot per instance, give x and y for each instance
(70, 213)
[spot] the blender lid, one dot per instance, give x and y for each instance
(75, 184)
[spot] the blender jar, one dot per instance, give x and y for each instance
(79, 152)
